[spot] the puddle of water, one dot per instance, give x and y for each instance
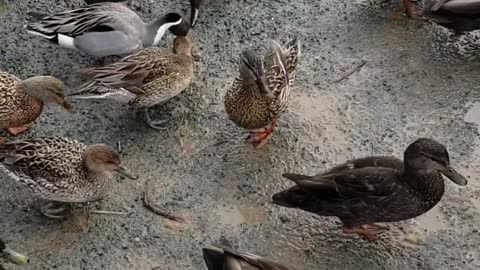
(473, 115)
(234, 216)
(432, 221)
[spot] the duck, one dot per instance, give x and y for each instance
(195, 7)
(226, 258)
(11, 256)
(61, 170)
(142, 80)
(22, 101)
(362, 192)
(104, 29)
(458, 15)
(261, 92)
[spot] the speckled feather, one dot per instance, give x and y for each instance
(151, 75)
(249, 109)
(16, 106)
(53, 169)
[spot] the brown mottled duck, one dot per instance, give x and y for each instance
(459, 15)
(61, 170)
(363, 191)
(144, 79)
(22, 101)
(230, 259)
(11, 256)
(260, 94)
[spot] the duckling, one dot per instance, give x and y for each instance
(61, 170)
(262, 91)
(105, 28)
(21, 102)
(363, 191)
(144, 79)
(11, 256)
(230, 259)
(195, 7)
(459, 15)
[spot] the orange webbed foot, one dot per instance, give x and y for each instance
(261, 136)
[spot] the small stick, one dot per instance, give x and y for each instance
(155, 209)
(349, 72)
(102, 212)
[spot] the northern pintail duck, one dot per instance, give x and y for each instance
(22, 101)
(227, 258)
(458, 15)
(262, 91)
(104, 29)
(61, 170)
(363, 191)
(11, 256)
(144, 79)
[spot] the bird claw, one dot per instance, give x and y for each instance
(160, 124)
(55, 210)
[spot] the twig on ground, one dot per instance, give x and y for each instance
(156, 209)
(349, 72)
(103, 212)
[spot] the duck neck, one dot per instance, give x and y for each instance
(156, 30)
(29, 94)
(427, 184)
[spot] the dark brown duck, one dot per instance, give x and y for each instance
(363, 191)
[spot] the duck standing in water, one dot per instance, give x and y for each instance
(61, 170)
(363, 191)
(262, 91)
(22, 101)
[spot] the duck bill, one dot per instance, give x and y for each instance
(453, 175)
(125, 172)
(15, 257)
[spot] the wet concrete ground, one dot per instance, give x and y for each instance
(417, 82)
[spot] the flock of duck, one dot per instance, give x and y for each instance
(360, 192)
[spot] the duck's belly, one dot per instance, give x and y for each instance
(249, 114)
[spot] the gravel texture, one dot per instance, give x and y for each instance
(417, 82)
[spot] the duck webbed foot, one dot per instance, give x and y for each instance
(55, 209)
(260, 137)
(368, 231)
(14, 131)
(159, 124)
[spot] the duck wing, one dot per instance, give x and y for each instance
(127, 75)
(63, 27)
(467, 7)
(41, 161)
(362, 182)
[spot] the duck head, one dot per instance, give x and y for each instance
(252, 68)
(48, 90)
(99, 158)
(427, 155)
